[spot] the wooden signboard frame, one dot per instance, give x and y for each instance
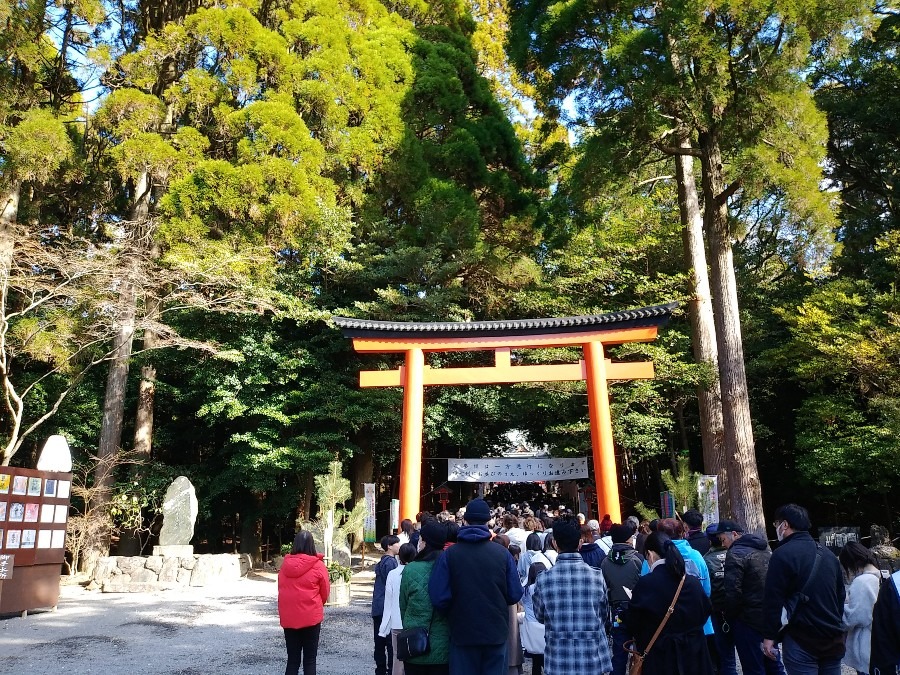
(34, 510)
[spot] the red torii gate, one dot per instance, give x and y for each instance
(592, 333)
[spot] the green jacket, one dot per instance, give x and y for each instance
(416, 611)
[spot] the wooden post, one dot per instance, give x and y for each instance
(605, 474)
(411, 446)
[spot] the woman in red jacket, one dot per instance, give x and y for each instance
(303, 588)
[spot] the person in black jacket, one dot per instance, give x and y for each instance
(621, 570)
(814, 637)
(746, 564)
(681, 647)
(384, 650)
(695, 535)
(721, 642)
(886, 629)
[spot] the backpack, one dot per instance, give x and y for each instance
(614, 582)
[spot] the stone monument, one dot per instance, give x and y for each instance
(886, 553)
(179, 515)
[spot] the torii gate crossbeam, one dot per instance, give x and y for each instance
(591, 333)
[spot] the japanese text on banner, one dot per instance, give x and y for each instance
(504, 470)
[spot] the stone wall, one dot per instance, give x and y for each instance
(141, 574)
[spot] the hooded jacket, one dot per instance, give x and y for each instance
(746, 565)
(621, 569)
(715, 561)
(382, 569)
(303, 588)
(474, 582)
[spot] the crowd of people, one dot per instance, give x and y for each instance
(495, 587)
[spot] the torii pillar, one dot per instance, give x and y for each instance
(590, 333)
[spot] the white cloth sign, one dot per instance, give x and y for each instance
(505, 470)
(708, 493)
(369, 526)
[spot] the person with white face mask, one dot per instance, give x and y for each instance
(805, 585)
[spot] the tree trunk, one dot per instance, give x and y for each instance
(251, 538)
(130, 540)
(308, 491)
(117, 379)
(143, 422)
(9, 212)
(746, 494)
(703, 331)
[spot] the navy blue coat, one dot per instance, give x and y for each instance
(474, 582)
(592, 554)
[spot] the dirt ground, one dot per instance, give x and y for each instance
(199, 631)
(227, 629)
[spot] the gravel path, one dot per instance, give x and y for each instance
(200, 631)
(203, 630)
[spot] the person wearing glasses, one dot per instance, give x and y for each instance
(805, 586)
(746, 564)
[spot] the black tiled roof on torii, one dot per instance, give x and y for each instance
(629, 318)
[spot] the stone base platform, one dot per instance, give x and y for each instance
(174, 551)
(142, 574)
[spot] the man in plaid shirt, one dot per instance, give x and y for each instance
(570, 600)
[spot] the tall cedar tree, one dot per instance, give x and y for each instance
(727, 78)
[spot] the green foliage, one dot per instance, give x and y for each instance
(858, 93)
(139, 499)
(682, 484)
(317, 157)
(730, 75)
(844, 351)
(645, 512)
(34, 149)
(332, 490)
(338, 572)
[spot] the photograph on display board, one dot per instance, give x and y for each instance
(34, 487)
(16, 512)
(58, 539)
(2, 510)
(28, 538)
(62, 511)
(13, 538)
(43, 539)
(1, 538)
(50, 487)
(46, 513)
(62, 490)
(19, 485)
(4, 483)
(31, 513)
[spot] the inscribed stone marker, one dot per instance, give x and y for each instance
(179, 513)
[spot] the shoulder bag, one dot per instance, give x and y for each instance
(793, 604)
(637, 658)
(413, 642)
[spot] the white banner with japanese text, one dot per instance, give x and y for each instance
(708, 493)
(505, 470)
(369, 526)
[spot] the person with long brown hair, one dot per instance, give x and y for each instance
(861, 570)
